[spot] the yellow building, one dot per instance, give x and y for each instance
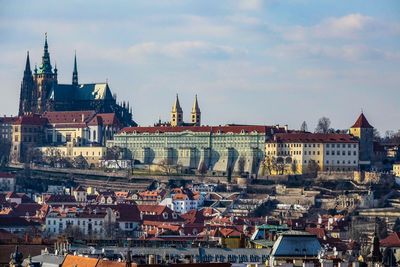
(298, 153)
(92, 154)
(396, 169)
(27, 132)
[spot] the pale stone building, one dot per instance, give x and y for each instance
(218, 149)
(295, 152)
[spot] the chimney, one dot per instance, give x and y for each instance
(83, 117)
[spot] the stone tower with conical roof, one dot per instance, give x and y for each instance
(176, 113)
(27, 87)
(196, 113)
(365, 133)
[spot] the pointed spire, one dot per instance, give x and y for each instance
(27, 65)
(195, 108)
(45, 67)
(177, 106)
(75, 72)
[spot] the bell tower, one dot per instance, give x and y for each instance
(176, 113)
(196, 114)
(45, 79)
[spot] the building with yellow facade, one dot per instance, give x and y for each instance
(298, 153)
(396, 169)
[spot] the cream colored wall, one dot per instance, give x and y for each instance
(91, 154)
(396, 169)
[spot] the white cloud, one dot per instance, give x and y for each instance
(250, 4)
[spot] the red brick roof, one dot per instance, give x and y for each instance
(312, 138)
(203, 129)
(361, 122)
(33, 119)
(393, 240)
(60, 117)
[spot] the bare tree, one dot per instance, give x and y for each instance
(5, 149)
(312, 167)
(80, 162)
(279, 165)
(202, 170)
(268, 163)
(293, 167)
(241, 164)
(304, 127)
(323, 125)
(52, 156)
(115, 154)
(166, 166)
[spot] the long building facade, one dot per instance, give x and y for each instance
(41, 92)
(216, 149)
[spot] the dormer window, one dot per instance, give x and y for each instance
(165, 215)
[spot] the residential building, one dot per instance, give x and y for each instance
(6, 129)
(7, 181)
(28, 132)
(396, 169)
(296, 151)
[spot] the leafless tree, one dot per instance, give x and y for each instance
(166, 166)
(304, 127)
(241, 164)
(268, 163)
(52, 156)
(294, 167)
(312, 167)
(323, 125)
(279, 165)
(115, 154)
(80, 162)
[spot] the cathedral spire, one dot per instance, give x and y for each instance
(176, 113)
(195, 107)
(75, 72)
(196, 114)
(27, 66)
(177, 106)
(45, 67)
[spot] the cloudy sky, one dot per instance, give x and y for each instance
(250, 61)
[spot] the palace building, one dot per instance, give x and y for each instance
(41, 92)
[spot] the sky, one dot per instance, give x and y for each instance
(249, 61)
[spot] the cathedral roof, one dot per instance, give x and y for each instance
(82, 92)
(362, 122)
(62, 117)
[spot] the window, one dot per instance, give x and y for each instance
(68, 137)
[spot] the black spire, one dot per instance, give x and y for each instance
(28, 70)
(75, 72)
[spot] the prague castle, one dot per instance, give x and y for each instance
(41, 92)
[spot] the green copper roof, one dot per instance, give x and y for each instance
(45, 67)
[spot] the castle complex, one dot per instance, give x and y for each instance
(41, 92)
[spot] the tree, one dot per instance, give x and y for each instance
(323, 125)
(268, 163)
(241, 164)
(5, 149)
(304, 127)
(279, 165)
(202, 170)
(293, 167)
(34, 155)
(52, 156)
(80, 162)
(396, 226)
(312, 167)
(115, 154)
(166, 166)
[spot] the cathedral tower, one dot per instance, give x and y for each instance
(176, 113)
(27, 87)
(196, 114)
(365, 133)
(45, 79)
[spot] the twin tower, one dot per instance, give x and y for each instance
(177, 114)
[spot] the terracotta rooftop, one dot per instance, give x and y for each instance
(361, 122)
(33, 119)
(393, 240)
(73, 261)
(312, 138)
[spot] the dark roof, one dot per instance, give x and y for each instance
(82, 92)
(60, 199)
(6, 175)
(6, 221)
(8, 120)
(361, 122)
(296, 244)
(312, 138)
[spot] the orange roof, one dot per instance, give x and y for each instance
(312, 138)
(393, 240)
(79, 261)
(107, 263)
(361, 122)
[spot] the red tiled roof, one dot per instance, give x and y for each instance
(109, 119)
(62, 117)
(72, 261)
(312, 138)
(6, 175)
(157, 209)
(361, 122)
(393, 240)
(33, 119)
(202, 129)
(319, 232)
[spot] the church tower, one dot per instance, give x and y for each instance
(196, 114)
(45, 79)
(75, 73)
(27, 86)
(365, 133)
(176, 113)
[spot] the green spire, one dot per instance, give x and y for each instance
(45, 67)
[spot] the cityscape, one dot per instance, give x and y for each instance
(87, 180)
